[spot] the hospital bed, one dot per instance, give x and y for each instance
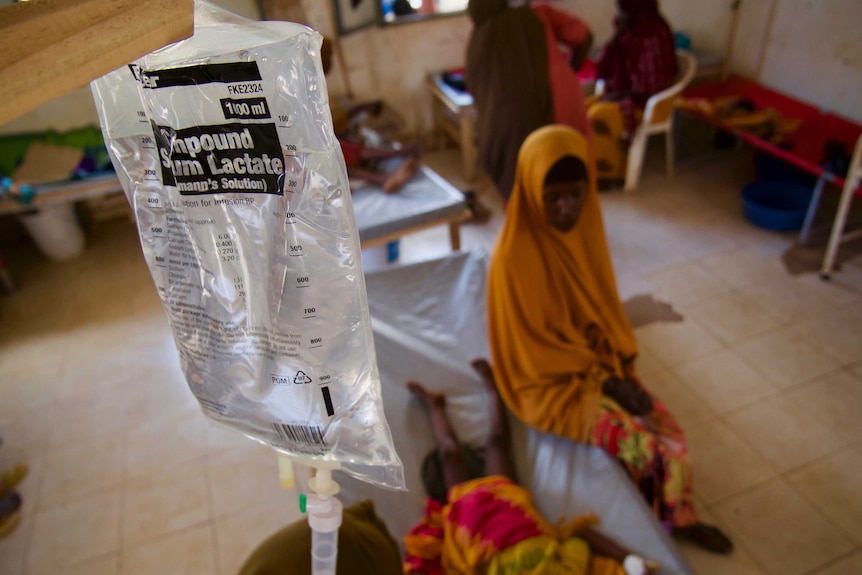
(429, 322)
(427, 200)
(804, 148)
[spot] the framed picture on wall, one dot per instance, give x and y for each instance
(353, 15)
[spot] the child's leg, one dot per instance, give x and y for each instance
(454, 468)
(360, 173)
(395, 180)
(498, 446)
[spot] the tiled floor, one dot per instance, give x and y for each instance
(765, 373)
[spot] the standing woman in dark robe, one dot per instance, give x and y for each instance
(521, 79)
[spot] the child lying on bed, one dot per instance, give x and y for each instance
(364, 160)
(489, 524)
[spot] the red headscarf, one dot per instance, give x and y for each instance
(640, 59)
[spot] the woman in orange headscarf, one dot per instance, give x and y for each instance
(562, 346)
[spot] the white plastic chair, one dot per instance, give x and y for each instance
(658, 118)
(851, 182)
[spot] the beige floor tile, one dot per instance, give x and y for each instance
(86, 419)
(845, 287)
(157, 389)
(835, 399)
(161, 395)
(675, 343)
(722, 463)
(832, 485)
(685, 406)
(97, 307)
(686, 283)
(632, 284)
(789, 299)
(781, 530)
(108, 565)
(189, 552)
(78, 470)
(838, 334)
(28, 392)
(13, 549)
(240, 533)
(161, 504)
(851, 565)
(786, 357)
(154, 446)
(72, 533)
(28, 430)
(244, 477)
(724, 381)
(705, 563)
(219, 437)
(37, 357)
(151, 327)
(104, 375)
(732, 317)
(786, 435)
(95, 341)
(693, 238)
(742, 267)
(647, 366)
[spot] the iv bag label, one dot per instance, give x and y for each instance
(225, 73)
(220, 159)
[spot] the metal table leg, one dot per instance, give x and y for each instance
(813, 206)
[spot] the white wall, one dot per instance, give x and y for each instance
(392, 62)
(811, 49)
(814, 51)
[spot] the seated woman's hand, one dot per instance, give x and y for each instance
(629, 395)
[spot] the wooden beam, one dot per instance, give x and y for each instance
(51, 47)
(731, 38)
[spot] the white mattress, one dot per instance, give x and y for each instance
(425, 198)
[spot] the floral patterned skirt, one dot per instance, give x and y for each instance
(654, 452)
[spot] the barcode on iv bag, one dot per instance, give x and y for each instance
(307, 434)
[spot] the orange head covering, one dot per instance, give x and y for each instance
(557, 327)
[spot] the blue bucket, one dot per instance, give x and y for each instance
(776, 206)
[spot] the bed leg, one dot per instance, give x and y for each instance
(837, 232)
(813, 206)
(455, 236)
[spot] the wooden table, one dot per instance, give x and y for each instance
(455, 116)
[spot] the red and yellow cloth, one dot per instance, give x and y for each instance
(655, 454)
(490, 526)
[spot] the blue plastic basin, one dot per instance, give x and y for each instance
(774, 205)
